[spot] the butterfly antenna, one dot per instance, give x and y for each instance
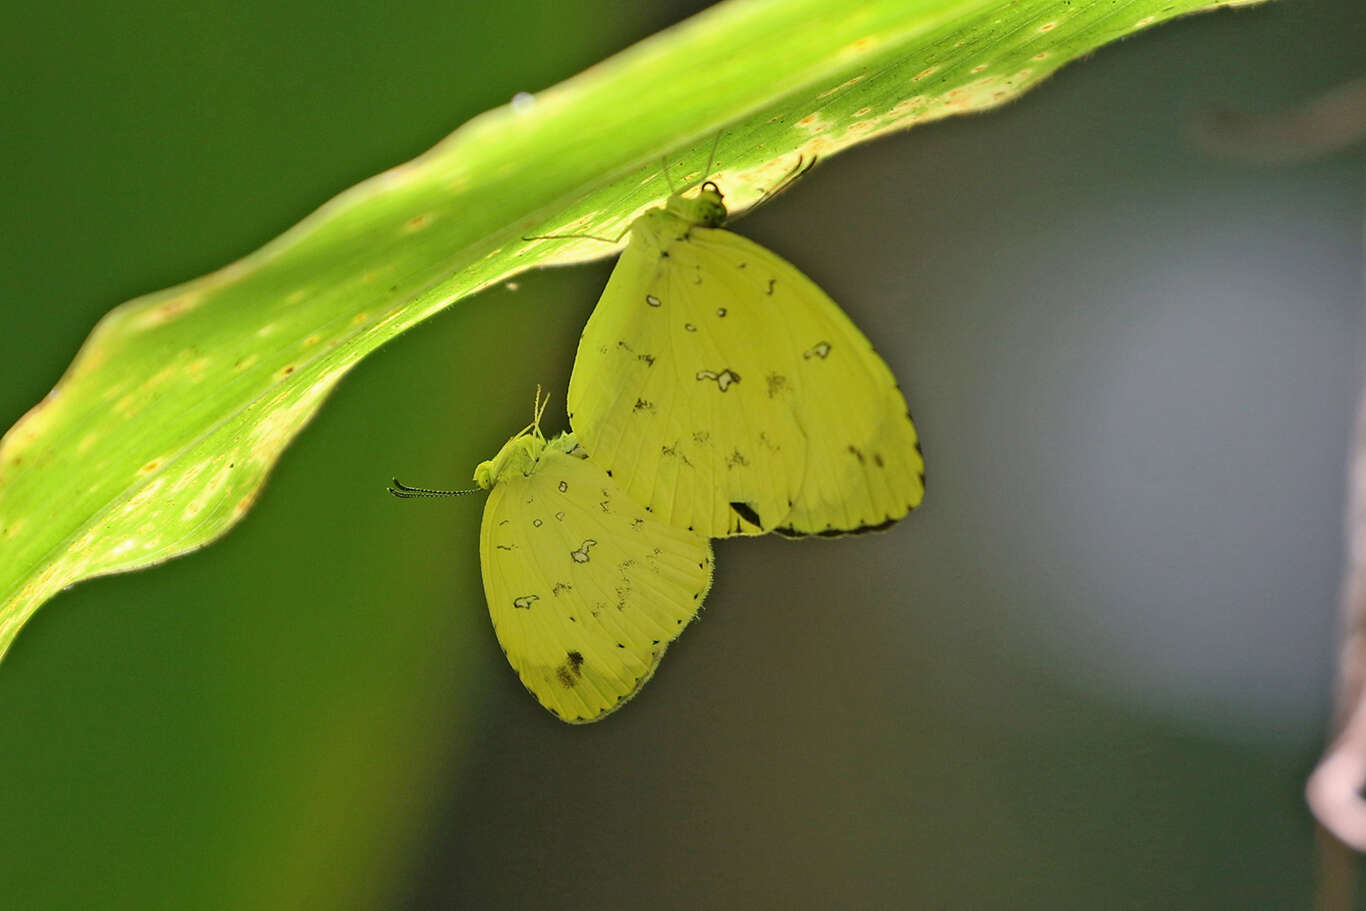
(538, 407)
(711, 158)
(605, 240)
(404, 492)
(799, 170)
(664, 166)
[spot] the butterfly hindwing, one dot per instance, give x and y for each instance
(864, 468)
(727, 392)
(586, 590)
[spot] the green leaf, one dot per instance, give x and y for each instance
(163, 430)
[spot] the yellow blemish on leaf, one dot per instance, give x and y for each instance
(907, 105)
(159, 378)
(129, 405)
(979, 67)
(196, 368)
(265, 330)
(245, 363)
(417, 223)
(285, 371)
(1040, 55)
(165, 312)
(814, 123)
(150, 467)
(312, 340)
(861, 126)
(360, 318)
(925, 72)
(211, 490)
(862, 112)
(842, 86)
(142, 497)
(1049, 26)
(1145, 21)
(862, 45)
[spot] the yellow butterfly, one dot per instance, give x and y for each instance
(727, 392)
(585, 588)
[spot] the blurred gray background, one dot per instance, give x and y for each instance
(1091, 671)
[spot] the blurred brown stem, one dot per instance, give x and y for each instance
(1317, 128)
(1334, 789)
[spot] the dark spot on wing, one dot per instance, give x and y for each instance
(724, 380)
(649, 359)
(771, 282)
(877, 459)
(831, 532)
(820, 350)
(576, 662)
(856, 452)
(642, 405)
(746, 512)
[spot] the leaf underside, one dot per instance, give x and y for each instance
(162, 431)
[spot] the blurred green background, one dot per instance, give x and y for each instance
(1091, 672)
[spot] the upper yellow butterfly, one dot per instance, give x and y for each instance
(723, 389)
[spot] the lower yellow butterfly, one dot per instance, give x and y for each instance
(729, 394)
(585, 588)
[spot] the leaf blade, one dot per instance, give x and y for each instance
(165, 427)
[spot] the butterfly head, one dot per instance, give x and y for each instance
(706, 208)
(517, 458)
(519, 455)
